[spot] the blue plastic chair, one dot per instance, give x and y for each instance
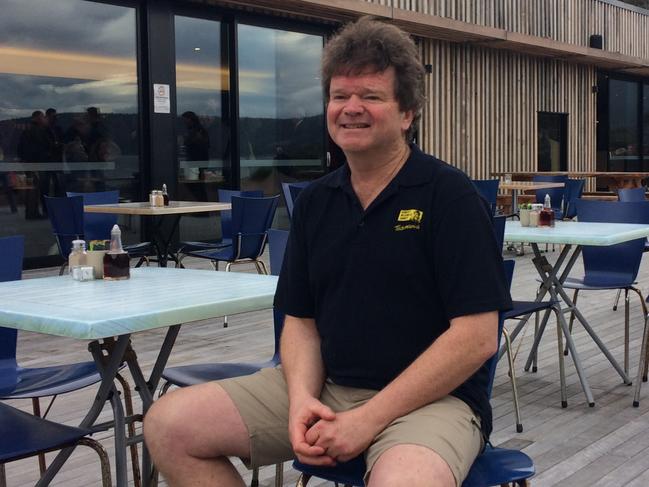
(615, 266)
(556, 194)
(488, 188)
(499, 229)
(630, 195)
(225, 196)
(66, 218)
(187, 375)
(18, 382)
(291, 192)
(24, 435)
(494, 466)
(251, 219)
(572, 191)
(97, 226)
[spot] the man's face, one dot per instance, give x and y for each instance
(363, 114)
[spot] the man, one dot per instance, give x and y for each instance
(391, 285)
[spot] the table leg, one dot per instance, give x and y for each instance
(108, 367)
(162, 242)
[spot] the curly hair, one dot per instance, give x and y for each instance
(370, 43)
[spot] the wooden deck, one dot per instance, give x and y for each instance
(579, 446)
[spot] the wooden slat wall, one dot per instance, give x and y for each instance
(571, 21)
(482, 107)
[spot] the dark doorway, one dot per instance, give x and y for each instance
(552, 142)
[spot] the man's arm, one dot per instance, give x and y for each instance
(304, 371)
(443, 366)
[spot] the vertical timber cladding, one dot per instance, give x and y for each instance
(482, 105)
(572, 21)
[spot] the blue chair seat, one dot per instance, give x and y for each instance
(595, 282)
(224, 253)
(24, 434)
(19, 383)
(189, 375)
(522, 308)
(494, 466)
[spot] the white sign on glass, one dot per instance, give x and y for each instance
(161, 99)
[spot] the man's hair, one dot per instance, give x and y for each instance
(50, 111)
(369, 43)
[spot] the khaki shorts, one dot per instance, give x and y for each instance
(447, 426)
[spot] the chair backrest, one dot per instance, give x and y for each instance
(290, 192)
(493, 361)
(225, 196)
(277, 240)
(499, 229)
(619, 262)
(251, 219)
(556, 194)
(97, 226)
(66, 217)
(11, 267)
(573, 190)
(488, 188)
(631, 194)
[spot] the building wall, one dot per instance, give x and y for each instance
(625, 29)
(481, 114)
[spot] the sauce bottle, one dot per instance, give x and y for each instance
(78, 256)
(165, 195)
(546, 217)
(116, 260)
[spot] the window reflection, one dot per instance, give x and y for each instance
(68, 117)
(624, 132)
(280, 107)
(645, 125)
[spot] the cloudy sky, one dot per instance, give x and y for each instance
(71, 54)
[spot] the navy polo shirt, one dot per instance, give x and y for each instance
(383, 283)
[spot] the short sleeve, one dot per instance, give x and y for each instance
(467, 261)
(293, 295)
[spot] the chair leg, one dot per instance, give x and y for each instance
(279, 475)
(512, 378)
(3, 475)
(536, 332)
(302, 480)
(103, 460)
(255, 478)
(164, 389)
(562, 370)
(626, 331)
(642, 364)
(617, 299)
(572, 316)
(128, 402)
(264, 270)
(228, 266)
(62, 268)
(36, 408)
(644, 312)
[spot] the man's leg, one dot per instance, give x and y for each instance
(191, 431)
(411, 466)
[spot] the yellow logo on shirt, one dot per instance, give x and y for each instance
(412, 217)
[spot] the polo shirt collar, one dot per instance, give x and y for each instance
(416, 171)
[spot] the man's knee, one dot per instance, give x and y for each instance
(411, 465)
(198, 421)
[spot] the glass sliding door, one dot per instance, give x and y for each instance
(68, 110)
(552, 142)
(645, 127)
(281, 107)
(624, 125)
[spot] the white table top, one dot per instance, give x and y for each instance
(144, 208)
(576, 233)
(153, 297)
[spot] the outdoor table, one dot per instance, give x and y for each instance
(175, 209)
(516, 186)
(614, 180)
(106, 313)
(569, 234)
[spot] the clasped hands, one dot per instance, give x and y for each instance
(320, 436)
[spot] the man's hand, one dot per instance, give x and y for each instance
(301, 417)
(344, 437)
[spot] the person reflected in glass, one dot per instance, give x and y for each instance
(34, 146)
(196, 139)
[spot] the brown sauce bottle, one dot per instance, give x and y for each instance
(116, 260)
